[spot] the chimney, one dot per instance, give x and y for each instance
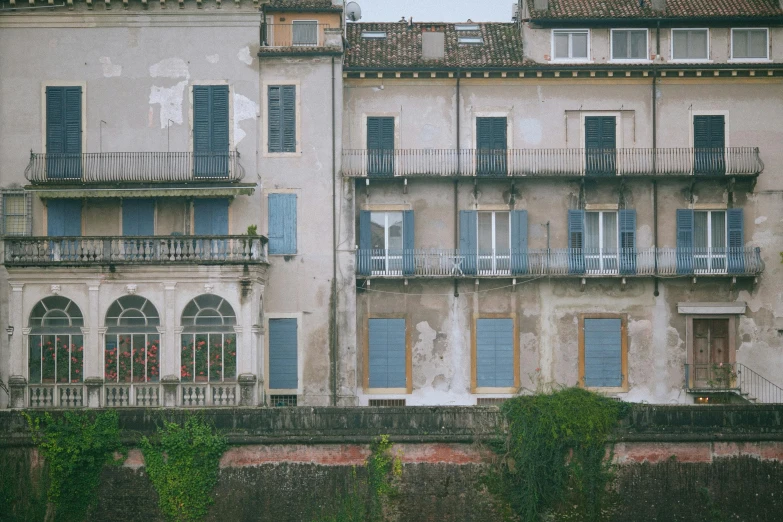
(659, 5)
(541, 5)
(433, 45)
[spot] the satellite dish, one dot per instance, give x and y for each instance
(353, 12)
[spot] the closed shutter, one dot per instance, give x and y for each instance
(494, 353)
(282, 224)
(210, 131)
(283, 356)
(281, 118)
(736, 240)
(387, 353)
(408, 244)
(468, 243)
(603, 353)
(64, 217)
(684, 241)
(289, 118)
(380, 146)
(364, 256)
(600, 145)
(210, 217)
(627, 227)
(138, 217)
(491, 145)
(576, 235)
(64, 132)
(519, 259)
(709, 141)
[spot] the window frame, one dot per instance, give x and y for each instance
(408, 358)
(305, 21)
(570, 58)
(601, 256)
(192, 111)
(474, 388)
(36, 329)
(646, 58)
(148, 330)
(192, 330)
(83, 85)
(387, 258)
(749, 60)
(27, 215)
(299, 354)
(707, 59)
(689, 339)
(265, 117)
(710, 255)
(624, 387)
(494, 256)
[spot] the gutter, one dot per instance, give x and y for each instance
(576, 67)
(681, 21)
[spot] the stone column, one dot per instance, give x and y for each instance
(93, 349)
(170, 366)
(16, 339)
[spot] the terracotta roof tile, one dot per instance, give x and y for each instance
(501, 47)
(301, 5)
(625, 9)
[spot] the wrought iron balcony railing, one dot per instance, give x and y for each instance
(152, 250)
(565, 262)
(732, 377)
(297, 34)
(550, 163)
(133, 167)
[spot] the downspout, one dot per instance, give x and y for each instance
(333, 301)
(656, 291)
(456, 184)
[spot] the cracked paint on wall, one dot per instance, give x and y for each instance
(169, 98)
(244, 109)
(110, 70)
(244, 56)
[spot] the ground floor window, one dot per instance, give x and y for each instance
(56, 344)
(495, 353)
(603, 351)
(386, 354)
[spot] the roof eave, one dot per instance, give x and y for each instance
(663, 21)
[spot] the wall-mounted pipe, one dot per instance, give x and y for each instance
(456, 180)
(333, 308)
(654, 111)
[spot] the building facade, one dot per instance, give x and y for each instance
(260, 204)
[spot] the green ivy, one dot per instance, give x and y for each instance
(76, 446)
(183, 463)
(553, 458)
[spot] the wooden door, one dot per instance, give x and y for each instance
(711, 362)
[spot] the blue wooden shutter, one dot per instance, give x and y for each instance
(387, 353)
(627, 241)
(600, 145)
(364, 255)
(408, 244)
(380, 146)
(283, 356)
(576, 241)
(210, 217)
(220, 135)
(494, 353)
(468, 242)
(684, 241)
(709, 141)
(603, 353)
(736, 240)
(275, 118)
(64, 217)
(64, 132)
(210, 131)
(138, 217)
(491, 145)
(289, 118)
(282, 224)
(519, 259)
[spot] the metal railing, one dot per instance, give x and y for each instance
(151, 250)
(380, 163)
(297, 34)
(563, 262)
(738, 378)
(137, 167)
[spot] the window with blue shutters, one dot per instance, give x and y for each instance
(600, 242)
(600, 145)
(210, 217)
(283, 354)
(138, 217)
(386, 243)
(495, 361)
(386, 354)
(64, 217)
(491, 146)
(603, 347)
(210, 131)
(380, 146)
(709, 142)
(710, 241)
(281, 118)
(576, 241)
(282, 223)
(64, 133)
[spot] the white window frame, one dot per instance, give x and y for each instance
(494, 257)
(603, 258)
(386, 257)
(570, 57)
(317, 35)
(710, 256)
(748, 60)
(27, 214)
(690, 60)
(630, 60)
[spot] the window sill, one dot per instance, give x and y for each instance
(690, 60)
(623, 61)
(611, 389)
(296, 154)
(482, 390)
(749, 60)
(386, 391)
(566, 61)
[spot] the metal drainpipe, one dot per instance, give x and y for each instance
(456, 185)
(656, 291)
(333, 311)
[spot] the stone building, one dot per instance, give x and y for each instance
(220, 204)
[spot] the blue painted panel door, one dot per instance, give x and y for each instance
(282, 223)
(138, 217)
(210, 131)
(603, 353)
(210, 217)
(387, 353)
(64, 132)
(495, 353)
(283, 356)
(64, 217)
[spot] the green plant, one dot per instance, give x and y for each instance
(722, 376)
(182, 463)
(553, 457)
(252, 230)
(76, 447)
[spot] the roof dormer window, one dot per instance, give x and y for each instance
(471, 40)
(466, 27)
(374, 34)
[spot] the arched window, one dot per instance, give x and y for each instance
(132, 351)
(56, 342)
(209, 351)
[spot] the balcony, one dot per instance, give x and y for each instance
(551, 163)
(150, 251)
(722, 378)
(147, 395)
(664, 262)
(302, 34)
(133, 167)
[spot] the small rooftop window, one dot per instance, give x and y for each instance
(471, 40)
(466, 27)
(373, 34)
